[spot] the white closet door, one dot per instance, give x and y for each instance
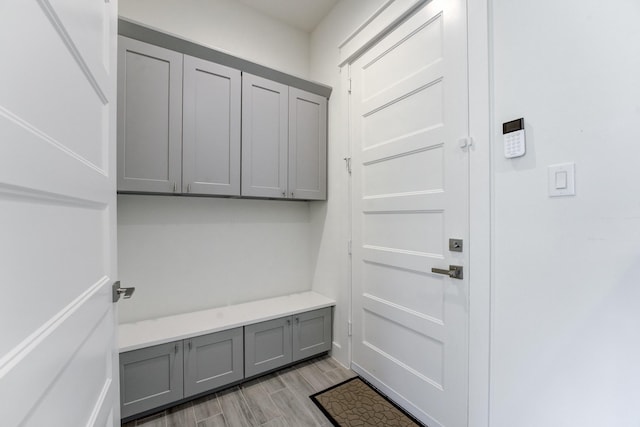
(265, 118)
(58, 354)
(410, 195)
(211, 128)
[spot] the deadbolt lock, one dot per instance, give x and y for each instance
(455, 245)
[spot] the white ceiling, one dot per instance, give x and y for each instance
(302, 14)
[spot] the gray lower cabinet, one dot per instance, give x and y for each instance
(212, 361)
(150, 377)
(311, 333)
(275, 343)
(267, 346)
(163, 374)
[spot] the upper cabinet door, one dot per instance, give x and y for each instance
(211, 128)
(264, 137)
(307, 145)
(149, 117)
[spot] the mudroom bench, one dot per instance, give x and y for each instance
(170, 359)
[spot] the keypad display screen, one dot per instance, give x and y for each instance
(512, 126)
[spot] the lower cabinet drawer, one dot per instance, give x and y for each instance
(212, 361)
(150, 377)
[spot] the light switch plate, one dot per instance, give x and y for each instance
(562, 180)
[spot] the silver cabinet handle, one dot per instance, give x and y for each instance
(174, 187)
(284, 194)
(297, 319)
(288, 321)
(190, 345)
(176, 348)
(454, 271)
(292, 194)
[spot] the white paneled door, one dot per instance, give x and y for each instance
(409, 118)
(57, 213)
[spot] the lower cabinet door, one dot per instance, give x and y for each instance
(212, 361)
(311, 333)
(150, 377)
(267, 346)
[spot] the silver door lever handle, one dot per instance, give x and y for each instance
(454, 271)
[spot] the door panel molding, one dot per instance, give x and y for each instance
(22, 384)
(97, 78)
(386, 18)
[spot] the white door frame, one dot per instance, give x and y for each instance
(385, 18)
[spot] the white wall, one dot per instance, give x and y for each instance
(566, 284)
(229, 26)
(330, 220)
(186, 253)
(190, 253)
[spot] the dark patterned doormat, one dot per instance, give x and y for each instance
(355, 403)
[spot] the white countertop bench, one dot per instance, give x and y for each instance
(146, 333)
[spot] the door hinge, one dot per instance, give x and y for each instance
(349, 85)
(466, 142)
(117, 292)
(347, 162)
(350, 328)
(349, 246)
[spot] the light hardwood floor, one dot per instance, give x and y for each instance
(280, 399)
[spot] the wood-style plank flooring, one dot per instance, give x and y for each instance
(280, 399)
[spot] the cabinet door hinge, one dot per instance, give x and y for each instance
(347, 162)
(350, 328)
(349, 85)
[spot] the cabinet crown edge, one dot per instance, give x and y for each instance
(138, 31)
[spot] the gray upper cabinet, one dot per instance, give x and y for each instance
(211, 128)
(311, 333)
(212, 361)
(149, 117)
(191, 126)
(150, 377)
(284, 141)
(307, 145)
(264, 137)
